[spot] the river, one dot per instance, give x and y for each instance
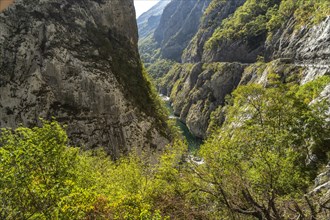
(193, 142)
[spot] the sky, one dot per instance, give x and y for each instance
(143, 6)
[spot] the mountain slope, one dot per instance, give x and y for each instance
(211, 20)
(239, 42)
(178, 24)
(148, 21)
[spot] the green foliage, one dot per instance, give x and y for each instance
(42, 178)
(36, 176)
(176, 76)
(217, 117)
(248, 20)
(159, 68)
(311, 90)
(173, 78)
(212, 6)
(304, 11)
(254, 165)
(160, 110)
(255, 18)
(149, 50)
(170, 76)
(214, 66)
(311, 11)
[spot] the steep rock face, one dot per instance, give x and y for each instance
(306, 47)
(294, 54)
(212, 18)
(199, 89)
(77, 61)
(242, 50)
(149, 20)
(178, 24)
(320, 193)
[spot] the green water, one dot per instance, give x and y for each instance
(193, 142)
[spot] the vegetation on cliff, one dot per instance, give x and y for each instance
(256, 18)
(290, 35)
(254, 167)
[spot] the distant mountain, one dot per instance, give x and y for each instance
(163, 39)
(149, 20)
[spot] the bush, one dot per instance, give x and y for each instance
(36, 175)
(42, 178)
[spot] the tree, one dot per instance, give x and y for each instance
(35, 171)
(41, 177)
(255, 163)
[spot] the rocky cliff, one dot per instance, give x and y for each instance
(78, 61)
(239, 42)
(163, 46)
(178, 25)
(210, 21)
(196, 90)
(307, 47)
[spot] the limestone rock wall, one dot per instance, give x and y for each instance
(212, 18)
(198, 90)
(77, 61)
(178, 25)
(308, 47)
